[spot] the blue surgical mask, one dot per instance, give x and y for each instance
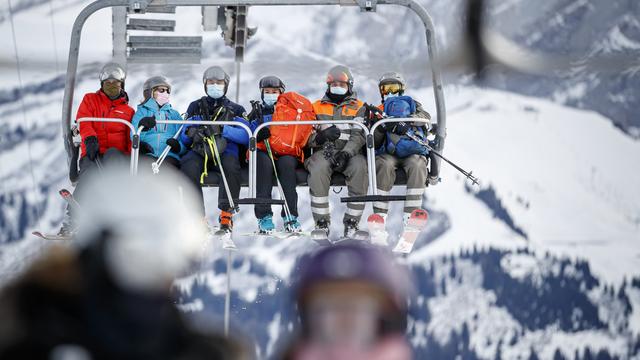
(270, 99)
(391, 95)
(337, 90)
(216, 91)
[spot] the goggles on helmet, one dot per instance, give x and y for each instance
(392, 88)
(112, 72)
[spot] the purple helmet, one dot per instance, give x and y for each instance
(354, 261)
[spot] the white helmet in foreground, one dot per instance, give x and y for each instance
(149, 225)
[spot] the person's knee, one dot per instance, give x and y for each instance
(358, 164)
(319, 166)
(231, 163)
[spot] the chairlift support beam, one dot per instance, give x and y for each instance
(140, 6)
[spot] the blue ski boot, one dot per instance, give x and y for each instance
(291, 224)
(265, 225)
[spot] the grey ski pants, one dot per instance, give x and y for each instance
(415, 166)
(320, 181)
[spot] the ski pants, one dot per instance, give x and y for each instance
(320, 181)
(192, 166)
(286, 166)
(415, 166)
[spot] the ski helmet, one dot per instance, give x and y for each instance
(340, 73)
(272, 81)
(215, 73)
(143, 251)
(391, 82)
(353, 261)
(153, 82)
(113, 71)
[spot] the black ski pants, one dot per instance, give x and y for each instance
(192, 166)
(286, 166)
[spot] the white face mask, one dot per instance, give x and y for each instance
(161, 98)
(216, 91)
(270, 99)
(391, 95)
(338, 90)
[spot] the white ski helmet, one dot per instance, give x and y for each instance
(151, 229)
(113, 71)
(215, 73)
(152, 83)
(392, 78)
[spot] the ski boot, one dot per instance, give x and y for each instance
(265, 225)
(352, 231)
(321, 233)
(226, 227)
(291, 224)
(67, 229)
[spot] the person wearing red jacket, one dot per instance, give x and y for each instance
(103, 143)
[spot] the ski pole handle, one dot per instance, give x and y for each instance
(155, 166)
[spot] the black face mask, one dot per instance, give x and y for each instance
(113, 91)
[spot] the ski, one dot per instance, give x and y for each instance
(281, 235)
(417, 222)
(375, 223)
(52, 237)
(68, 197)
(225, 237)
(321, 237)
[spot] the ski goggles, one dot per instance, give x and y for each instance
(162, 90)
(112, 73)
(392, 88)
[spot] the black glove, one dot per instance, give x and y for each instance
(401, 128)
(330, 134)
(92, 147)
(174, 144)
(263, 134)
(371, 114)
(256, 111)
(212, 130)
(147, 122)
(145, 148)
(340, 161)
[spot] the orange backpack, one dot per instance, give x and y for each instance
(290, 139)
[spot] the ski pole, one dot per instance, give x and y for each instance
(287, 211)
(467, 174)
(155, 166)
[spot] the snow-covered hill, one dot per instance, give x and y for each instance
(540, 257)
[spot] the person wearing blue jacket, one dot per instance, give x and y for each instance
(156, 137)
(200, 139)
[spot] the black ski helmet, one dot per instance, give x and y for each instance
(340, 73)
(354, 261)
(271, 81)
(215, 73)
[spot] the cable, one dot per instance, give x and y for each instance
(53, 34)
(24, 114)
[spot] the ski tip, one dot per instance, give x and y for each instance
(375, 218)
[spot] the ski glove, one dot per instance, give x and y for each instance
(263, 134)
(371, 114)
(340, 161)
(330, 134)
(145, 148)
(401, 128)
(92, 147)
(256, 111)
(174, 144)
(147, 122)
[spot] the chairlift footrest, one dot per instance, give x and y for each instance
(372, 198)
(256, 201)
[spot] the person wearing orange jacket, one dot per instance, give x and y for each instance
(103, 143)
(337, 148)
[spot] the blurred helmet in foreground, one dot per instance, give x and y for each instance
(149, 224)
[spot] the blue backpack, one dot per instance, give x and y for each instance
(403, 146)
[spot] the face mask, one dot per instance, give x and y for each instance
(270, 99)
(216, 91)
(111, 90)
(391, 95)
(337, 90)
(161, 98)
